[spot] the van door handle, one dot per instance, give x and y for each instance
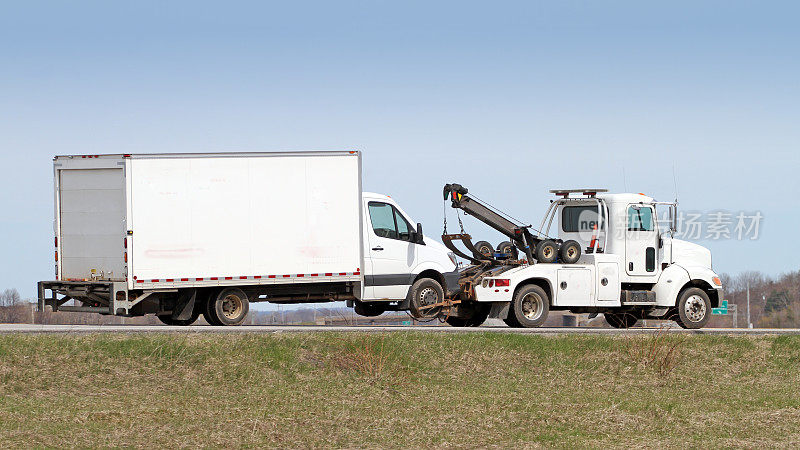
(377, 249)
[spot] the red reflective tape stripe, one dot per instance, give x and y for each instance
(214, 278)
(242, 278)
(314, 275)
(286, 276)
(271, 276)
(342, 273)
(184, 279)
(257, 277)
(154, 281)
(170, 280)
(140, 281)
(356, 273)
(328, 274)
(228, 278)
(300, 275)
(198, 279)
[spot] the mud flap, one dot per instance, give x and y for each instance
(185, 305)
(499, 310)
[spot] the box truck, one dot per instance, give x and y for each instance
(179, 235)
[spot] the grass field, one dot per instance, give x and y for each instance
(398, 390)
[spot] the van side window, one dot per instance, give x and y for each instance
(382, 217)
(387, 222)
(640, 218)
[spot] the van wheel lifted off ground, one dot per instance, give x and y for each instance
(227, 307)
(694, 308)
(424, 293)
(529, 309)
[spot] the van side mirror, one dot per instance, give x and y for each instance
(418, 238)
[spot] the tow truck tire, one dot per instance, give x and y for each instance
(546, 251)
(484, 248)
(530, 307)
(620, 320)
(694, 309)
(570, 252)
(228, 307)
(425, 291)
(506, 248)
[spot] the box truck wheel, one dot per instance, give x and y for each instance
(621, 320)
(530, 307)
(694, 308)
(570, 252)
(228, 307)
(424, 293)
(546, 251)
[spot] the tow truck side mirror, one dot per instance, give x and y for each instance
(418, 238)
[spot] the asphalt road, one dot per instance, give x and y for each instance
(24, 328)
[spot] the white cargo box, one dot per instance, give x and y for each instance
(185, 220)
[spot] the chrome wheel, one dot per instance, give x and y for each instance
(532, 306)
(695, 308)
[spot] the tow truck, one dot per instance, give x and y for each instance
(608, 255)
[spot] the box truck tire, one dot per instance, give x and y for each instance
(228, 307)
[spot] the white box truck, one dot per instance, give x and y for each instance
(179, 235)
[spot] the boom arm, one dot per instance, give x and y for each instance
(517, 233)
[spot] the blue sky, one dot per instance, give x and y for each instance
(508, 98)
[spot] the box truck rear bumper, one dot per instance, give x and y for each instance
(104, 297)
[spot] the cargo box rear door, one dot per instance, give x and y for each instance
(92, 223)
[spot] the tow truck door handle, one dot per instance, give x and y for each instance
(378, 249)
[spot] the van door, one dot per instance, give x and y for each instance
(640, 241)
(391, 253)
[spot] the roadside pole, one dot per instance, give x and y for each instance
(749, 324)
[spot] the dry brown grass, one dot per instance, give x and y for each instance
(398, 390)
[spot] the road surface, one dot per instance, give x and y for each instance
(25, 328)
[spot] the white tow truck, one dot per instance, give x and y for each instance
(626, 266)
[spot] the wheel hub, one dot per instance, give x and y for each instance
(532, 306)
(695, 308)
(231, 306)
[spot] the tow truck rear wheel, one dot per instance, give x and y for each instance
(621, 320)
(694, 309)
(530, 307)
(546, 251)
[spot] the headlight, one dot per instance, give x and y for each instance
(452, 257)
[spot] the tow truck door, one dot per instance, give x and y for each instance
(641, 237)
